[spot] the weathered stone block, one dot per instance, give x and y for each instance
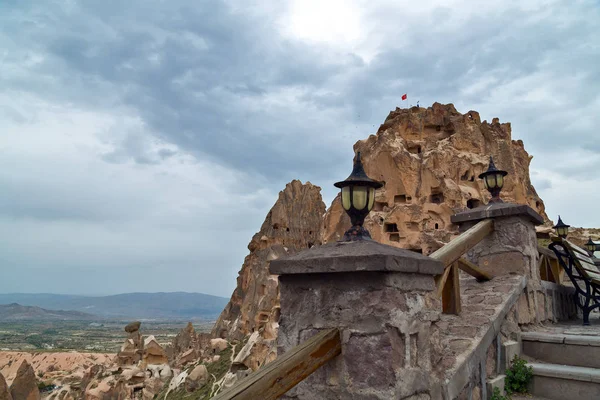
(504, 263)
(497, 382)
(510, 349)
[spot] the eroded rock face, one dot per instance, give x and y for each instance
(188, 346)
(294, 223)
(24, 386)
(4, 392)
(429, 159)
(154, 354)
(132, 350)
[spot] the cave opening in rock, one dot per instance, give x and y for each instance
(437, 226)
(389, 227)
(415, 149)
(394, 237)
(378, 206)
(436, 198)
(275, 226)
(400, 198)
(473, 203)
(420, 251)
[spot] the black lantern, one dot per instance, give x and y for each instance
(590, 246)
(562, 229)
(358, 197)
(493, 179)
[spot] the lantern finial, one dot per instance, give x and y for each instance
(561, 228)
(358, 197)
(493, 180)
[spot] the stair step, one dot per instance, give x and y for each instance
(558, 382)
(575, 350)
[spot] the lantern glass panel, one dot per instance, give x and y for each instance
(359, 197)
(500, 180)
(371, 198)
(590, 247)
(561, 231)
(346, 203)
(491, 181)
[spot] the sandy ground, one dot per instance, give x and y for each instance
(69, 362)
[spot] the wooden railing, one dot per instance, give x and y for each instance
(448, 283)
(276, 378)
(549, 267)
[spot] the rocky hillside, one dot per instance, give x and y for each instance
(294, 223)
(429, 160)
(17, 312)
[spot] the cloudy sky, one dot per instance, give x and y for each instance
(143, 142)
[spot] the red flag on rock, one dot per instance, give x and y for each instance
(404, 96)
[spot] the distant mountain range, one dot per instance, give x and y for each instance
(155, 306)
(17, 312)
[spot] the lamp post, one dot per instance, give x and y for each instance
(561, 228)
(590, 246)
(493, 179)
(358, 197)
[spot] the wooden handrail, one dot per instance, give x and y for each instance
(448, 283)
(464, 242)
(276, 378)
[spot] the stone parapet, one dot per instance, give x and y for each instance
(377, 296)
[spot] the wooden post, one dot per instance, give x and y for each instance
(279, 376)
(451, 292)
(465, 241)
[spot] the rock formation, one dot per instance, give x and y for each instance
(187, 346)
(429, 160)
(4, 392)
(132, 350)
(294, 223)
(24, 386)
(154, 354)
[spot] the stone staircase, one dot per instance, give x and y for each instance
(565, 366)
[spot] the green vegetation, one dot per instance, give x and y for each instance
(496, 395)
(518, 376)
(216, 372)
(85, 336)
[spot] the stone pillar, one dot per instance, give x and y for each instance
(510, 249)
(512, 246)
(377, 295)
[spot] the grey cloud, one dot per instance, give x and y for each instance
(221, 83)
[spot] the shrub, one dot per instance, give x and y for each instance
(496, 395)
(518, 376)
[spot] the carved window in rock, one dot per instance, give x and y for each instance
(379, 206)
(400, 199)
(389, 227)
(415, 149)
(436, 198)
(473, 203)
